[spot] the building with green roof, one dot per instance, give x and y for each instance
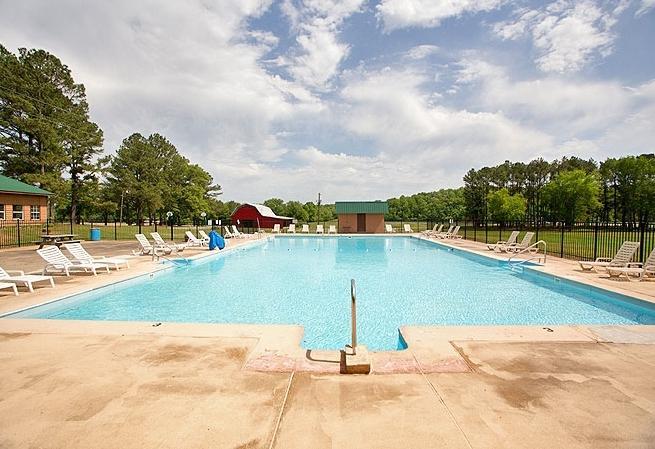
(361, 216)
(21, 201)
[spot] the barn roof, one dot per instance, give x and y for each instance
(264, 211)
(361, 207)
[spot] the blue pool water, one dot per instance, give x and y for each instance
(306, 281)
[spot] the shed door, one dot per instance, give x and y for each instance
(361, 222)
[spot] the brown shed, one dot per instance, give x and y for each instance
(366, 217)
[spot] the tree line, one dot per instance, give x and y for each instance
(47, 139)
(567, 190)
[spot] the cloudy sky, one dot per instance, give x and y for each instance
(352, 98)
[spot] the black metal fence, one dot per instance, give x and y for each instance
(579, 241)
(18, 233)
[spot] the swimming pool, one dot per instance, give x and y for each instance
(306, 281)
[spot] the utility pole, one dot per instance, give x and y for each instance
(318, 208)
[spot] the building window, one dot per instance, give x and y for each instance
(2, 211)
(17, 212)
(35, 213)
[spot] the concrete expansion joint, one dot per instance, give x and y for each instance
(441, 400)
(279, 418)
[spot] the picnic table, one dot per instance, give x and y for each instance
(57, 239)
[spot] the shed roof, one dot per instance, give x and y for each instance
(362, 207)
(15, 186)
(264, 211)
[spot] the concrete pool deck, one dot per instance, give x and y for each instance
(80, 384)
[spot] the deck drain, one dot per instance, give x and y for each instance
(547, 329)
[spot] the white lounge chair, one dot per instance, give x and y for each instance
(622, 258)
(443, 235)
(4, 285)
(523, 244)
(192, 240)
(227, 234)
(19, 277)
(56, 261)
(319, 229)
(454, 234)
(388, 228)
(159, 241)
(148, 248)
(332, 229)
(237, 234)
(407, 228)
(510, 241)
(305, 229)
(634, 269)
(276, 228)
(80, 254)
(291, 229)
(203, 235)
(434, 231)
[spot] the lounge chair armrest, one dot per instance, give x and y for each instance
(635, 265)
(55, 265)
(16, 272)
(603, 259)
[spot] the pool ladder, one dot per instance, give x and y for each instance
(534, 250)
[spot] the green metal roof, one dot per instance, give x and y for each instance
(362, 207)
(15, 186)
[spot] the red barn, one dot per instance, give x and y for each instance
(258, 215)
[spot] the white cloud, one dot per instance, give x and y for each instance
(567, 34)
(407, 125)
(561, 106)
(589, 118)
(422, 51)
(319, 52)
(192, 73)
(646, 5)
(428, 13)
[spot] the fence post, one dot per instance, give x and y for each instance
(642, 243)
(18, 231)
(465, 223)
(139, 221)
(561, 241)
(475, 231)
(115, 231)
(596, 239)
(486, 231)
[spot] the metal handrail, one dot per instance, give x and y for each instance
(528, 249)
(353, 315)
